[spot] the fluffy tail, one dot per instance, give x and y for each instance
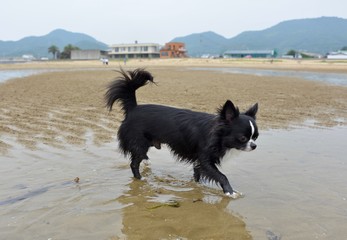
(123, 88)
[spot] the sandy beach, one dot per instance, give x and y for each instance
(60, 114)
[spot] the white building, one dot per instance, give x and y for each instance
(250, 54)
(337, 55)
(28, 57)
(134, 50)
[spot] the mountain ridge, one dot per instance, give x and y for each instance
(319, 35)
(38, 45)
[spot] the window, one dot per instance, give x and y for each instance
(164, 54)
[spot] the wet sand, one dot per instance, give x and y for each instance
(59, 107)
(54, 128)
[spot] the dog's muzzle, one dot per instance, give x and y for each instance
(250, 146)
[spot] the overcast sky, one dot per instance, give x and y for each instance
(154, 21)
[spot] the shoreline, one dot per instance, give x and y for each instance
(318, 65)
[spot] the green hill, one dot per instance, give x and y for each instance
(38, 46)
(319, 35)
(203, 43)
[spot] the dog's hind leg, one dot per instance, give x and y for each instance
(197, 173)
(136, 160)
(135, 147)
(138, 153)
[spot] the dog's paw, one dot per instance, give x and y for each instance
(234, 195)
(147, 162)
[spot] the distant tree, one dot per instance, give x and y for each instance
(66, 54)
(291, 53)
(344, 48)
(54, 50)
(303, 55)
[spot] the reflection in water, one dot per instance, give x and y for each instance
(330, 78)
(198, 214)
(294, 186)
(8, 74)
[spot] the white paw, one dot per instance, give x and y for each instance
(147, 162)
(234, 195)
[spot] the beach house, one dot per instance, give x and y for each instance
(173, 50)
(134, 50)
(250, 54)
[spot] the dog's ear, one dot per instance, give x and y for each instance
(229, 112)
(252, 111)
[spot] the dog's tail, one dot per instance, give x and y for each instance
(123, 88)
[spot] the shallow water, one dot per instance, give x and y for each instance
(339, 79)
(20, 73)
(294, 186)
(9, 74)
(330, 78)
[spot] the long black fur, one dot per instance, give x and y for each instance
(195, 137)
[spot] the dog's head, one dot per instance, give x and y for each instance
(239, 130)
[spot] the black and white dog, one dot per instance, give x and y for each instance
(195, 137)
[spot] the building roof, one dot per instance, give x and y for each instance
(133, 44)
(338, 53)
(249, 52)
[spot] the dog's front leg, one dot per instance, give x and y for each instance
(197, 172)
(211, 172)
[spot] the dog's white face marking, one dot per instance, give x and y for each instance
(252, 127)
(249, 143)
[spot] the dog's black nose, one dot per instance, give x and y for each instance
(253, 146)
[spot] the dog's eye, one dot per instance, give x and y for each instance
(243, 139)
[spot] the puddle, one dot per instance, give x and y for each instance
(9, 74)
(20, 73)
(294, 186)
(330, 78)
